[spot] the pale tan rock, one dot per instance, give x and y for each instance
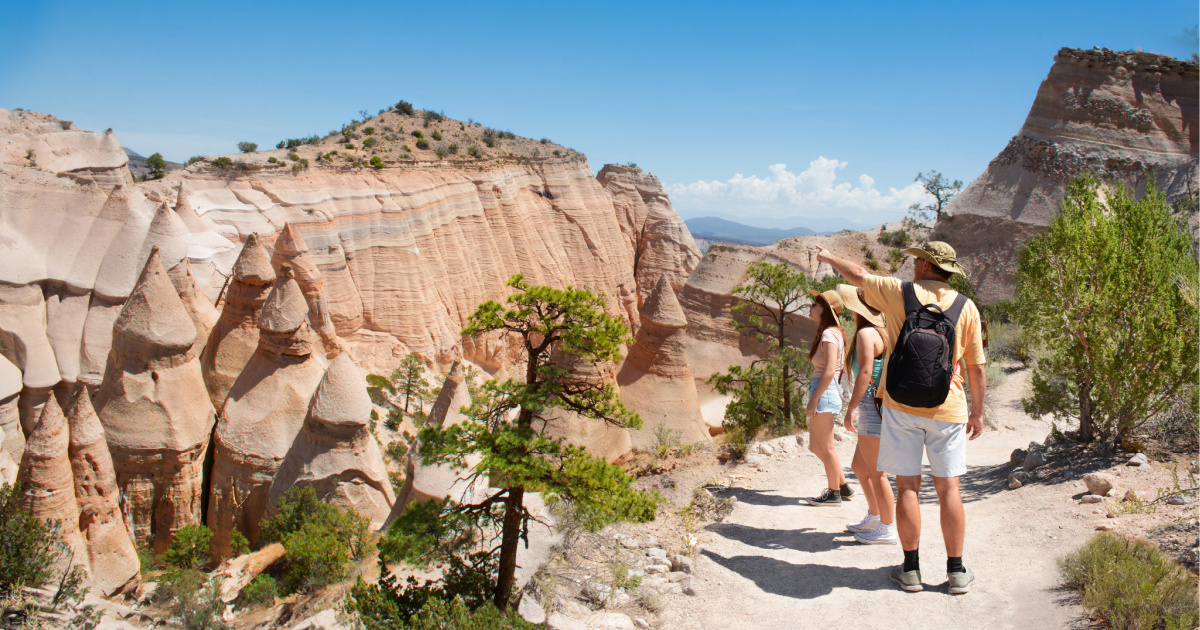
(656, 379)
(423, 482)
(1126, 116)
(335, 452)
(111, 552)
(10, 418)
(262, 416)
(662, 244)
(23, 322)
(47, 483)
(290, 248)
(155, 410)
(234, 337)
(8, 468)
(237, 573)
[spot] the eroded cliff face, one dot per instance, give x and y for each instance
(662, 244)
(157, 296)
(410, 254)
(1125, 116)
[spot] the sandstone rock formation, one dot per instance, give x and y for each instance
(406, 256)
(290, 248)
(12, 436)
(1125, 116)
(155, 410)
(656, 380)
(234, 337)
(707, 301)
(111, 554)
(424, 482)
(263, 415)
(662, 244)
(335, 452)
(47, 484)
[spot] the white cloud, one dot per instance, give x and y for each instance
(813, 193)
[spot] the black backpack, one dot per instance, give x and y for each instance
(922, 363)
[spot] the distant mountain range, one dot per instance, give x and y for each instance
(725, 230)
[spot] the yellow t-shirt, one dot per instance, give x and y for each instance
(885, 294)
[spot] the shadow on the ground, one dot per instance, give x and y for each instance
(808, 581)
(758, 497)
(804, 539)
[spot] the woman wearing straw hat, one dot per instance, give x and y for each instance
(864, 361)
(826, 353)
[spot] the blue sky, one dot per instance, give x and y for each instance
(845, 102)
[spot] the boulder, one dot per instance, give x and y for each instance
(262, 416)
(1034, 460)
(559, 621)
(111, 553)
(1091, 498)
(1018, 456)
(610, 621)
(1099, 483)
(155, 410)
(335, 452)
(1018, 479)
(1138, 460)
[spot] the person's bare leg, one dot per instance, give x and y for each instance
(883, 499)
(864, 474)
(908, 511)
(821, 444)
(954, 519)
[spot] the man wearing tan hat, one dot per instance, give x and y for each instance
(936, 420)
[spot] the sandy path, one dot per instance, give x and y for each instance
(777, 563)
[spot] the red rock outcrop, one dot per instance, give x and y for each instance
(291, 249)
(656, 379)
(1126, 116)
(111, 554)
(662, 244)
(234, 337)
(155, 410)
(263, 415)
(47, 484)
(335, 452)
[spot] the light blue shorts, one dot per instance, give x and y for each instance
(831, 400)
(907, 437)
(867, 419)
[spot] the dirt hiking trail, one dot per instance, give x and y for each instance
(776, 562)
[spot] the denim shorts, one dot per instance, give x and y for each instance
(868, 421)
(831, 400)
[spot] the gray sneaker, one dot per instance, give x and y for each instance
(960, 583)
(908, 580)
(828, 498)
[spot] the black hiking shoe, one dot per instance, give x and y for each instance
(828, 498)
(846, 492)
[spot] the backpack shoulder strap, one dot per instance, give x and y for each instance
(911, 303)
(955, 309)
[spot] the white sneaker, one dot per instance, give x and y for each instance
(881, 535)
(868, 523)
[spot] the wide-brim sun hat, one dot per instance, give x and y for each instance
(852, 297)
(831, 298)
(940, 254)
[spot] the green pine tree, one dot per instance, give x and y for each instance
(765, 394)
(1104, 290)
(517, 454)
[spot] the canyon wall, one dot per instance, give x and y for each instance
(1125, 116)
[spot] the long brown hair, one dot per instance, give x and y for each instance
(860, 323)
(829, 319)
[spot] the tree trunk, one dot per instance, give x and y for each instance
(1086, 429)
(511, 537)
(787, 383)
